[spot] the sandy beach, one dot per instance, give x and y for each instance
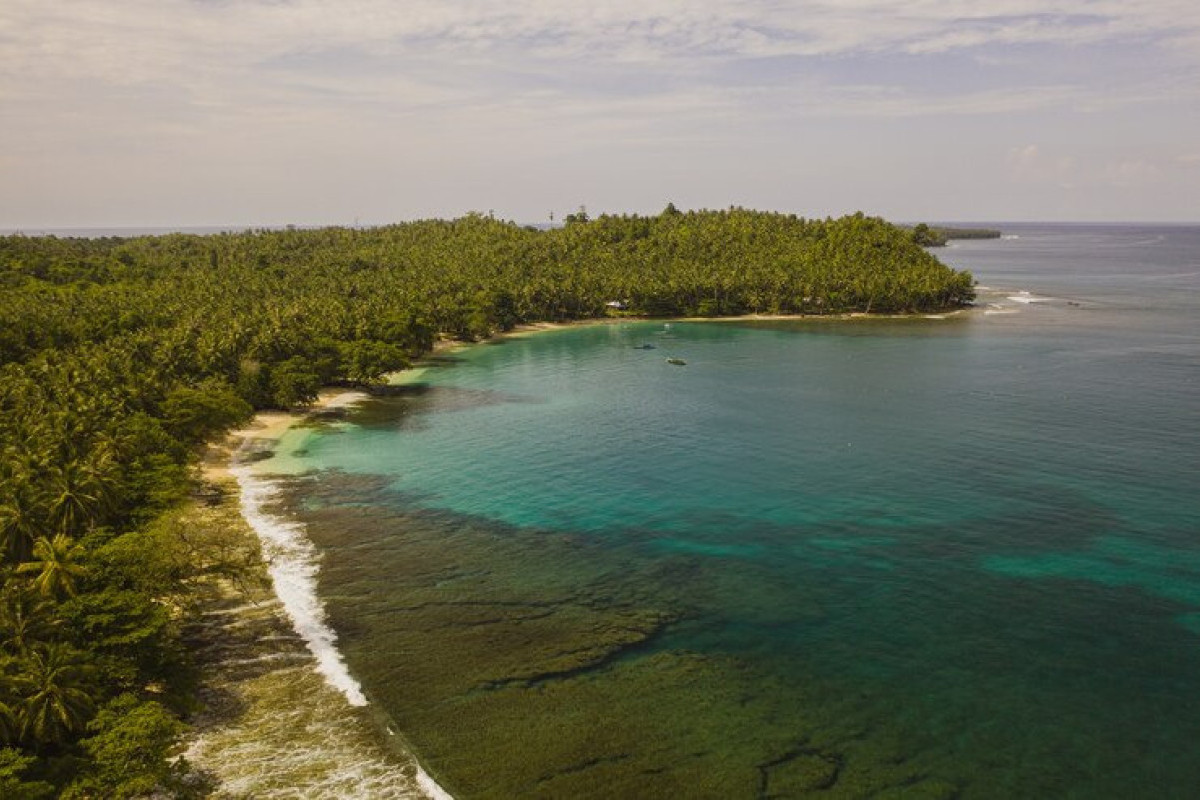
(532, 328)
(268, 426)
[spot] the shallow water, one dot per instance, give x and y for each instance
(921, 556)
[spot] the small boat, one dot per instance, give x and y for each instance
(679, 362)
(643, 347)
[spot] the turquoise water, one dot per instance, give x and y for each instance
(945, 557)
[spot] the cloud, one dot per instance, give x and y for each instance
(1031, 164)
(1131, 172)
(235, 56)
(251, 83)
(139, 40)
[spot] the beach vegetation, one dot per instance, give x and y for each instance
(132, 746)
(55, 566)
(13, 785)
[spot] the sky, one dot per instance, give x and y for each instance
(270, 112)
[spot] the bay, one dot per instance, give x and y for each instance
(928, 556)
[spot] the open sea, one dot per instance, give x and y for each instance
(922, 557)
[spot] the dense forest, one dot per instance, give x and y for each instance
(120, 358)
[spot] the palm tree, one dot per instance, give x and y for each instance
(17, 528)
(25, 618)
(79, 489)
(55, 703)
(56, 564)
(10, 727)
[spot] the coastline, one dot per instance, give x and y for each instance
(295, 644)
(531, 328)
(270, 672)
(268, 426)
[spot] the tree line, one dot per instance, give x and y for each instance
(939, 236)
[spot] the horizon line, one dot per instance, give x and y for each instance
(214, 228)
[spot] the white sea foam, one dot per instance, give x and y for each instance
(1010, 236)
(1026, 298)
(294, 738)
(292, 564)
(430, 786)
(344, 400)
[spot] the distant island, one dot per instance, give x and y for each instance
(121, 357)
(937, 236)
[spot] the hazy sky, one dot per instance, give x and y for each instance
(194, 112)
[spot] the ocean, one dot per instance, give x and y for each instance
(941, 556)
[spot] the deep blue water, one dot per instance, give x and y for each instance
(973, 541)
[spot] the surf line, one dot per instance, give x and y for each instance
(292, 564)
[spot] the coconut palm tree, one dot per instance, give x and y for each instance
(56, 565)
(25, 619)
(79, 489)
(9, 728)
(56, 703)
(18, 527)
(10, 724)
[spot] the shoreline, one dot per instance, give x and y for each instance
(219, 467)
(285, 617)
(443, 346)
(217, 463)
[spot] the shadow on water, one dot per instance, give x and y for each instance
(401, 407)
